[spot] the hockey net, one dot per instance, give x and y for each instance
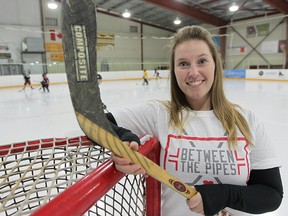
(73, 177)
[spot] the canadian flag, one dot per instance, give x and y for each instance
(54, 35)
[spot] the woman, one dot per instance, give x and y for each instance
(206, 141)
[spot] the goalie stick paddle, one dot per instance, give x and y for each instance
(79, 41)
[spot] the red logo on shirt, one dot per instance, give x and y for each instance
(208, 182)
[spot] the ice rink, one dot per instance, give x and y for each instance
(33, 114)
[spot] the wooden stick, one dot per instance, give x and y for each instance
(115, 145)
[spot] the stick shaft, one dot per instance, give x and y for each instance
(115, 145)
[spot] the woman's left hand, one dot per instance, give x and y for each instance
(196, 204)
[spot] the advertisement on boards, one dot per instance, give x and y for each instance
(274, 74)
(237, 73)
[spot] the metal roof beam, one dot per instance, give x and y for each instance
(188, 11)
(280, 5)
(119, 4)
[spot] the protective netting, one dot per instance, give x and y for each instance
(32, 173)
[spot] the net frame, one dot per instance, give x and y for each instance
(73, 190)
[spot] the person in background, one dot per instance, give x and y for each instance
(145, 77)
(45, 82)
(218, 147)
(156, 73)
(99, 80)
(27, 80)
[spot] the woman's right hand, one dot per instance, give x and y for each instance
(125, 165)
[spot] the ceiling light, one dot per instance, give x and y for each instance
(177, 21)
(52, 5)
(126, 14)
(233, 8)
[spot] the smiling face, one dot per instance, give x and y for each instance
(194, 70)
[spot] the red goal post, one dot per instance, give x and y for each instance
(73, 177)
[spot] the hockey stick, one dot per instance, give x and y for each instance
(79, 41)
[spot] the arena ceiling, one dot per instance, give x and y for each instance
(162, 13)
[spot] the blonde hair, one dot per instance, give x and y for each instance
(226, 112)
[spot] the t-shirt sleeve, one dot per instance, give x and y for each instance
(140, 119)
(263, 155)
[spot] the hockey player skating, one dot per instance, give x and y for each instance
(27, 80)
(145, 76)
(99, 80)
(45, 82)
(156, 73)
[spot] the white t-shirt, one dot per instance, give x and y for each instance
(200, 155)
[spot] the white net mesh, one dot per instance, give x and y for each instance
(34, 172)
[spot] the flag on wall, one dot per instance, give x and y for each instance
(236, 50)
(105, 41)
(282, 46)
(55, 35)
(257, 30)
